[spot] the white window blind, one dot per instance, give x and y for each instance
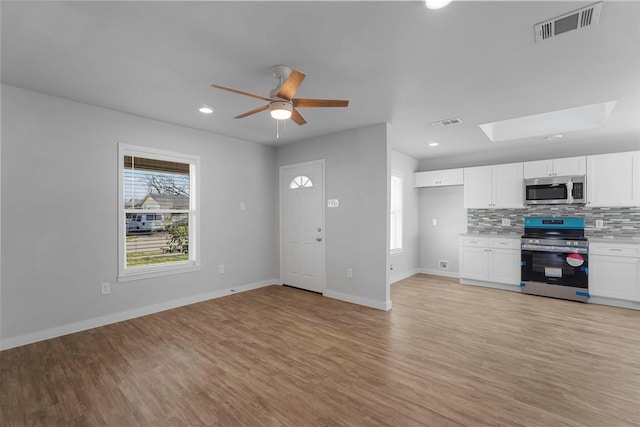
(158, 212)
(396, 212)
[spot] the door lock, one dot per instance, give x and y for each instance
(318, 239)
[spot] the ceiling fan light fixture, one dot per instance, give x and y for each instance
(436, 4)
(280, 110)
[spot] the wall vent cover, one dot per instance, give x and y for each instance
(575, 20)
(446, 122)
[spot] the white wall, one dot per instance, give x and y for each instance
(440, 241)
(405, 264)
(59, 216)
(357, 174)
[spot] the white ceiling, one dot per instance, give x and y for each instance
(397, 62)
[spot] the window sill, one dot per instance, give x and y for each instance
(147, 273)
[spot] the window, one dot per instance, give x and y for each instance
(396, 212)
(158, 213)
(300, 181)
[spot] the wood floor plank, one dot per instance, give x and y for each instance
(445, 355)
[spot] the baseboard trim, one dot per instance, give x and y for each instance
(493, 285)
(444, 273)
(380, 305)
(614, 302)
(401, 276)
(97, 322)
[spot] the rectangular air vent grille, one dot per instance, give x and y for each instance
(575, 20)
(446, 122)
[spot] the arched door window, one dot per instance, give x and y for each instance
(300, 181)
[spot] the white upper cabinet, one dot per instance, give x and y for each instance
(496, 186)
(613, 179)
(477, 187)
(556, 167)
(439, 178)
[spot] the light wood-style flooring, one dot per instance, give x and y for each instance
(446, 354)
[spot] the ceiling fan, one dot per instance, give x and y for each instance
(281, 102)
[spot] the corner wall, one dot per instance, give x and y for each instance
(440, 242)
(59, 211)
(357, 174)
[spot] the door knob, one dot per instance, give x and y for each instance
(318, 239)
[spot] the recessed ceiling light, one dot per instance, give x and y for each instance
(433, 143)
(206, 109)
(436, 4)
(551, 123)
(553, 137)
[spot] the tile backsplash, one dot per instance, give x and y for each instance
(618, 223)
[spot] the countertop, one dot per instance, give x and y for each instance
(632, 240)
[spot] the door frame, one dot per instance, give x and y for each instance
(323, 265)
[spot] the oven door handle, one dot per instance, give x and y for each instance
(564, 250)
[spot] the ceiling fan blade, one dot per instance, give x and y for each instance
(310, 103)
(255, 110)
(296, 117)
(291, 85)
(241, 92)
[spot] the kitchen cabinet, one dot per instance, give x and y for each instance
(495, 186)
(490, 259)
(556, 167)
(439, 178)
(614, 270)
(613, 179)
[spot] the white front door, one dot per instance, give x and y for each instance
(302, 225)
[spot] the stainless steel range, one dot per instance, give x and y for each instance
(555, 258)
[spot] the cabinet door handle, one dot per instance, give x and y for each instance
(615, 249)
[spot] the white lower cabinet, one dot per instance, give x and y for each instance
(614, 271)
(490, 259)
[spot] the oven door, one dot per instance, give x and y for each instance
(555, 268)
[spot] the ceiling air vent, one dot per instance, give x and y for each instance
(575, 20)
(446, 122)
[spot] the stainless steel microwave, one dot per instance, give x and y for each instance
(556, 190)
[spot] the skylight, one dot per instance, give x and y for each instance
(554, 122)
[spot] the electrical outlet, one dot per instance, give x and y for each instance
(599, 224)
(105, 288)
(444, 265)
(243, 207)
(349, 272)
(433, 221)
(506, 221)
(221, 269)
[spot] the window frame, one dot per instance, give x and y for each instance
(398, 212)
(144, 272)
